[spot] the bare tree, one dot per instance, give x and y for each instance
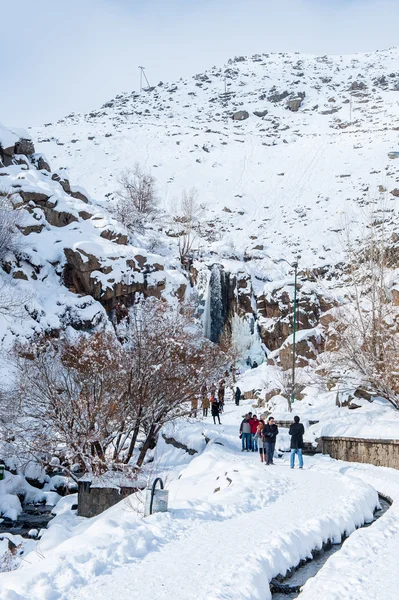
(68, 399)
(137, 201)
(170, 359)
(364, 334)
(92, 400)
(9, 218)
(187, 223)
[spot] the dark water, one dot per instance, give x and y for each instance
(33, 516)
(289, 588)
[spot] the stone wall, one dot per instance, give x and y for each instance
(382, 453)
(94, 500)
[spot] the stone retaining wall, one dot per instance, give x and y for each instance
(381, 453)
(94, 500)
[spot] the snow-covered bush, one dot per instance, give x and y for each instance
(137, 201)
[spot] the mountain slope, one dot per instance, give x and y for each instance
(286, 180)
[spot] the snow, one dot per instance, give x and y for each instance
(13, 486)
(223, 505)
(295, 177)
(10, 135)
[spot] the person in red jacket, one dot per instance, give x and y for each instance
(254, 422)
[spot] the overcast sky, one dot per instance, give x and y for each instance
(62, 56)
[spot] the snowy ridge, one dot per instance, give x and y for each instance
(281, 183)
(71, 258)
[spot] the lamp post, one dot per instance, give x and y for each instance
(295, 267)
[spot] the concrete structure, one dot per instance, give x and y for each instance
(94, 500)
(381, 453)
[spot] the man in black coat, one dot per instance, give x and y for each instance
(270, 432)
(296, 432)
(237, 396)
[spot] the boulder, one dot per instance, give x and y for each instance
(63, 181)
(79, 196)
(260, 113)
(114, 236)
(36, 197)
(40, 162)
(278, 96)
(358, 85)
(59, 218)
(293, 104)
(240, 115)
(24, 146)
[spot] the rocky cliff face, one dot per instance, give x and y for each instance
(71, 264)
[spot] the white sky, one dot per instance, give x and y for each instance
(62, 56)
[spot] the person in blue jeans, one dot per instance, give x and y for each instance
(270, 433)
(245, 434)
(296, 432)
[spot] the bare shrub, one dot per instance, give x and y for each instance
(364, 333)
(9, 218)
(187, 224)
(137, 201)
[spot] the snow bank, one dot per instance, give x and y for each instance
(224, 506)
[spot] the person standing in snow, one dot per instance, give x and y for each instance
(254, 365)
(212, 389)
(260, 442)
(245, 434)
(221, 394)
(194, 407)
(215, 409)
(270, 433)
(296, 432)
(254, 427)
(237, 396)
(205, 406)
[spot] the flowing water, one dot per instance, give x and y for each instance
(33, 516)
(289, 587)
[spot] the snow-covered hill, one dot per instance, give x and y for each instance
(310, 153)
(70, 264)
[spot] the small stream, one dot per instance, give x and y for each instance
(33, 516)
(289, 587)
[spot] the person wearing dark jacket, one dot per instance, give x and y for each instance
(296, 432)
(245, 434)
(215, 409)
(237, 396)
(270, 433)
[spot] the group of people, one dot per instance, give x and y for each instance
(257, 435)
(214, 402)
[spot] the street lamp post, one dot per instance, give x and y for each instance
(292, 397)
(295, 265)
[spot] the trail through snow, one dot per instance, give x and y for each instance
(233, 525)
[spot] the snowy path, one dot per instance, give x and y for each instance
(235, 558)
(233, 525)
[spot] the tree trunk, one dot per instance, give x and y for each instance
(134, 438)
(146, 446)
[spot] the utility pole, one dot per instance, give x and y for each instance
(295, 265)
(142, 74)
(291, 399)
